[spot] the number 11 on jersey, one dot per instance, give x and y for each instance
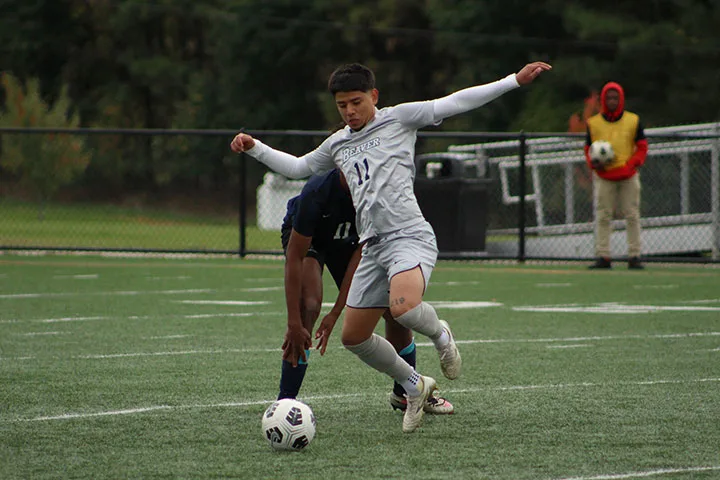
(358, 168)
(343, 231)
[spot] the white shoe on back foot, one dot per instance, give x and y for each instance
(435, 404)
(416, 405)
(450, 361)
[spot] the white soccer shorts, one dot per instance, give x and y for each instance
(387, 255)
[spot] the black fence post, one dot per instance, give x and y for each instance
(521, 203)
(242, 167)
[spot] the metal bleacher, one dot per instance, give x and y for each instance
(683, 166)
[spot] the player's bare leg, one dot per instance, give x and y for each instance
(312, 292)
(291, 378)
(402, 340)
(406, 306)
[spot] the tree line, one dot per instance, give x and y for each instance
(210, 64)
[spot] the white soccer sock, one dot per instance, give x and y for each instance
(423, 319)
(411, 384)
(380, 355)
(442, 340)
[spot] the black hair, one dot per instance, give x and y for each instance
(350, 78)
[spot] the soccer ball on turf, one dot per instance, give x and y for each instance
(288, 424)
(602, 152)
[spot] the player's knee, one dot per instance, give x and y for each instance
(350, 339)
(353, 336)
(398, 309)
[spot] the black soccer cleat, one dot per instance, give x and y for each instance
(601, 263)
(634, 263)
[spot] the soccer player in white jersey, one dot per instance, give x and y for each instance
(376, 152)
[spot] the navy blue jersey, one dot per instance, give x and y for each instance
(323, 211)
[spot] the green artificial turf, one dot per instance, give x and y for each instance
(125, 368)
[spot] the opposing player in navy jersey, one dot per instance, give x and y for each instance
(376, 152)
(319, 230)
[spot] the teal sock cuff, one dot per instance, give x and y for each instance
(409, 349)
(303, 362)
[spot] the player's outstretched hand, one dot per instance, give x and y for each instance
(297, 340)
(324, 330)
(531, 71)
(242, 142)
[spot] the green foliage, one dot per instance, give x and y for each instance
(263, 65)
(42, 162)
(665, 57)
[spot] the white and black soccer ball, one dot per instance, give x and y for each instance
(601, 152)
(288, 424)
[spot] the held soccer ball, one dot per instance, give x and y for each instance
(602, 152)
(288, 424)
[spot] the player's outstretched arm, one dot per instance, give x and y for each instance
(474, 97)
(328, 322)
(280, 162)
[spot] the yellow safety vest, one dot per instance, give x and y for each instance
(621, 135)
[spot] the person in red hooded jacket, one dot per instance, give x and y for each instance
(619, 181)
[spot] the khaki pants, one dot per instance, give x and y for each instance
(626, 194)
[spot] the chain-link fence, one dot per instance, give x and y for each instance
(679, 202)
(514, 196)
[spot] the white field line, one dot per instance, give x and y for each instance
(211, 315)
(262, 289)
(362, 396)
(552, 285)
(584, 339)
(247, 314)
(33, 334)
(178, 277)
(428, 344)
(129, 411)
(223, 302)
(68, 319)
(142, 317)
(606, 308)
(168, 337)
(93, 276)
(647, 473)
(557, 386)
(422, 344)
(175, 353)
(655, 287)
(580, 345)
(119, 292)
(710, 300)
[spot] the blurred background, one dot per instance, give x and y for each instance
(116, 117)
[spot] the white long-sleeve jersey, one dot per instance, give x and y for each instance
(378, 160)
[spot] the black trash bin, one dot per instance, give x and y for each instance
(453, 193)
